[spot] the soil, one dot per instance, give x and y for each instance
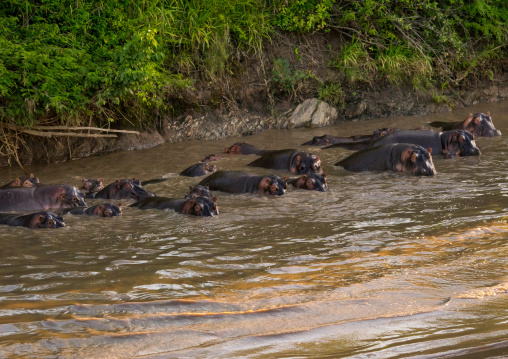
(248, 101)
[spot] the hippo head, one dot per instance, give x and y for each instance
(45, 220)
(201, 206)
(324, 140)
(417, 160)
(70, 197)
(92, 185)
(212, 157)
(481, 124)
(273, 185)
(130, 189)
(312, 181)
(30, 181)
(106, 210)
(460, 143)
(210, 168)
(305, 162)
(199, 191)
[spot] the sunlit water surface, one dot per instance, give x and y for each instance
(383, 265)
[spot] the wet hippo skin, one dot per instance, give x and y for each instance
(34, 220)
(243, 182)
(402, 157)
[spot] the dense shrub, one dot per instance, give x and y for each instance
(74, 61)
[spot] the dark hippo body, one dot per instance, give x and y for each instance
(242, 182)
(123, 189)
(327, 140)
(99, 210)
(298, 162)
(198, 169)
(402, 157)
(311, 181)
(30, 181)
(42, 197)
(450, 143)
(243, 148)
(197, 206)
(479, 124)
(34, 220)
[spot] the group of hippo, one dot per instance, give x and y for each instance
(408, 151)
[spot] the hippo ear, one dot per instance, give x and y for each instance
(32, 175)
(214, 199)
(430, 150)
(118, 184)
(285, 178)
(324, 174)
(119, 205)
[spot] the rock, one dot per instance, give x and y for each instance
(312, 113)
(356, 110)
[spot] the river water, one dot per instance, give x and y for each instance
(383, 265)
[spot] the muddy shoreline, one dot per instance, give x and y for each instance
(252, 113)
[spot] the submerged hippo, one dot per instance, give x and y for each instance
(402, 157)
(450, 143)
(30, 181)
(123, 189)
(479, 123)
(198, 169)
(197, 206)
(211, 158)
(242, 182)
(42, 197)
(311, 181)
(34, 220)
(298, 162)
(243, 148)
(99, 210)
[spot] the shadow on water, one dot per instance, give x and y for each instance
(383, 264)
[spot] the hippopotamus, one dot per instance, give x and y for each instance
(481, 124)
(42, 197)
(198, 169)
(242, 182)
(199, 191)
(34, 220)
(197, 206)
(296, 161)
(243, 148)
(99, 210)
(30, 181)
(92, 185)
(450, 143)
(212, 157)
(327, 140)
(311, 181)
(402, 157)
(123, 189)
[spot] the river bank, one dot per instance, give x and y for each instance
(359, 105)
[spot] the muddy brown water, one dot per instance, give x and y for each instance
(383, 265)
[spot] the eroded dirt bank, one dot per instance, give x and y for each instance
(248, 101)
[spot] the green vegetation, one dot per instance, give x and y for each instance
(96, 62)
